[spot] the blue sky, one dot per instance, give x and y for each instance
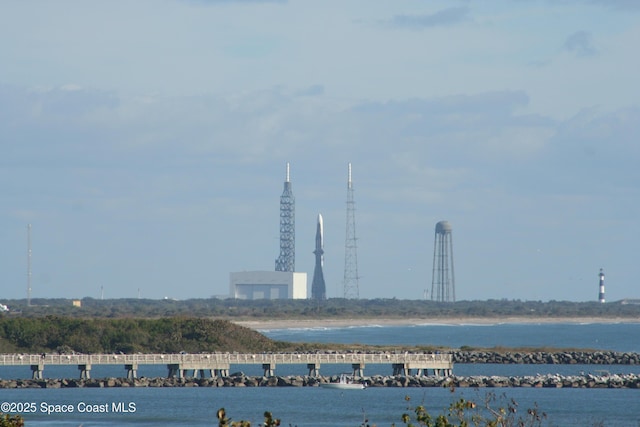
(146, 143)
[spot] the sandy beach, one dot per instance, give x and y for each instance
(342, 323)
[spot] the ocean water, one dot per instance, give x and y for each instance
(314, 407)
(623, 337)
(380, 406)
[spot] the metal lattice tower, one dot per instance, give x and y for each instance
(29, 265)
(443, 286)
(351, 279)
(287, 259)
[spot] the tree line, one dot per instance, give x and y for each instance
(309, 309)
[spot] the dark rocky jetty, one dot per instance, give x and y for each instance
(539, 381)
(548, 358)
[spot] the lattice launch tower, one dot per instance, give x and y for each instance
(29, 265)
(287, 259)
(351, 279)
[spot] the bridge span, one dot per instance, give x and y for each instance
(218, 364)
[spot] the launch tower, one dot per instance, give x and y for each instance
(443, 287)
(351, 279)
(287, 259)
(29, 265)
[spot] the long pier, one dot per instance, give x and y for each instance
(218, 364)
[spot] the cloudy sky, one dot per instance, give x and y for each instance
(146, 142)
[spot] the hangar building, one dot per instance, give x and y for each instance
(251, 285)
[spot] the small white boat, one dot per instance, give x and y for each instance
(345, 382)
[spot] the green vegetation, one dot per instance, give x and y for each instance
(493, 412)
(466, 413)
(334, 308)
(166, 335)
(223, 421)
(7, 420)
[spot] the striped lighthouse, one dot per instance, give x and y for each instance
(601, 293)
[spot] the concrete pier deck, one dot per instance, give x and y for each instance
(219, 364)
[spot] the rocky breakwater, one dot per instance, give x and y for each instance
(549, 381)
(538, 381)
(236, 380)
(551, 358)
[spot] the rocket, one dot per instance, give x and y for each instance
(320, 240)
(318, 288)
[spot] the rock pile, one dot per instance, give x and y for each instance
(549, 381)
(565, 358)
(538, 381)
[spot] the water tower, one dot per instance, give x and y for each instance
(443, 286)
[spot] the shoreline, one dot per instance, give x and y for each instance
(268, 324)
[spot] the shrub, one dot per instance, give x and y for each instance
(7, 420)
(466, 413)
(494, 412)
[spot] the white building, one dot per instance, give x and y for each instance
(268, 285)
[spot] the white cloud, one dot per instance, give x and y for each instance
(444, 17)
(580, 43)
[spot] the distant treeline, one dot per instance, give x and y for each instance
(166, 335)
(308, 309)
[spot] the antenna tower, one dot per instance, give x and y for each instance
(443, 287)
(351, 279)
(287, 259)
(29, 264)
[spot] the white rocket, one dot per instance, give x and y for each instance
(320, 240)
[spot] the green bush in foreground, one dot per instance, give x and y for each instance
(223, 421)
(461, 413)
(7, 420)
(466, 413)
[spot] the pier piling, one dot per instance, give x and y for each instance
(85, 371)
(132, 370)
